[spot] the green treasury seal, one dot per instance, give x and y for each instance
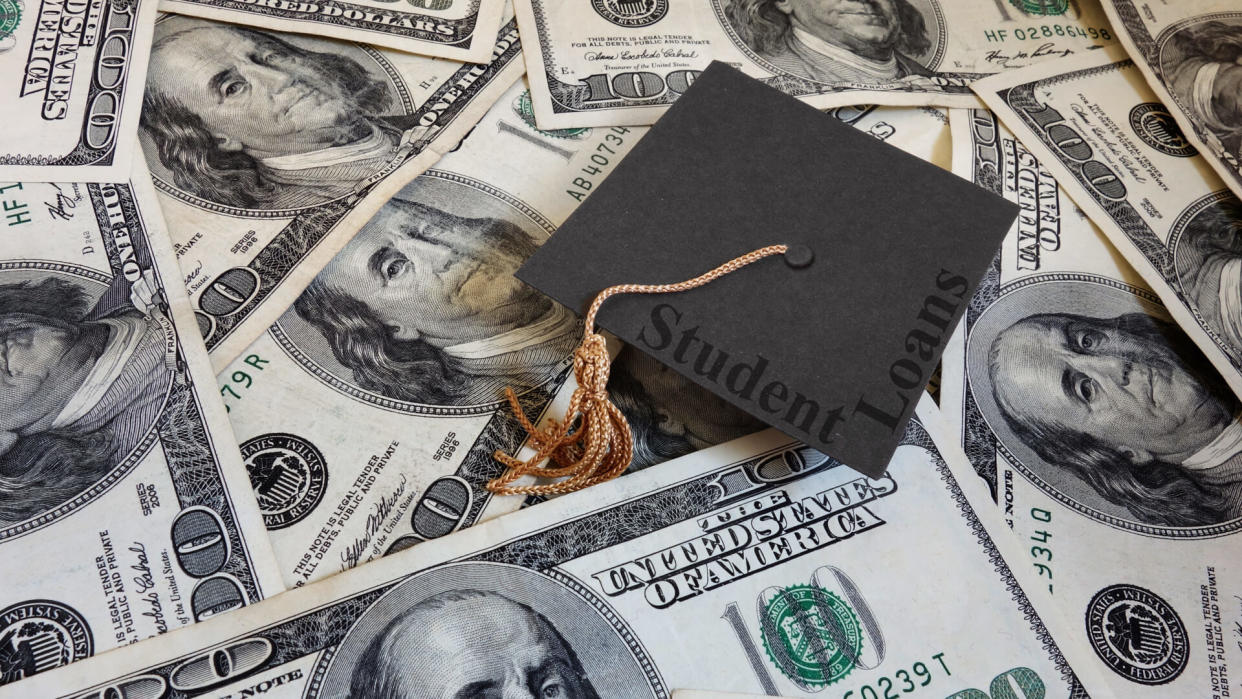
(812, 635)
(10, 17)
(526, 112)
(1045, 8)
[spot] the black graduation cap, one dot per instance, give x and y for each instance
(832, 343)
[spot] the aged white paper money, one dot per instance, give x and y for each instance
(609, 62)
(369, 412)
(463, 30)
(124, 507)
(271, 150)
(71, 80)
(1190, 51)
(747, 567)
(1106, 438)
(1117, 151)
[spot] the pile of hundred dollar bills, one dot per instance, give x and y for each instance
(257, 309)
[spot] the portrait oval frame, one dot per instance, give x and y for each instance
(1178, 255)
(86, 278)
(588, 625)
(1080, 294)
(799, 85)
(378, 66)
(1163, 67)
(337, 376)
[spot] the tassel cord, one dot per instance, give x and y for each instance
(593, 443)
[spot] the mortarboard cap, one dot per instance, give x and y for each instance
(832, 343)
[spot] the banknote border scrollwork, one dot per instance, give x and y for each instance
(348, 388)
(464, 27)
(190, 449)
(1128, 525)
(81, 154)
(975, 436)
(1016, 593)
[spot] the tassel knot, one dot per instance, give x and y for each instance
(593, 443)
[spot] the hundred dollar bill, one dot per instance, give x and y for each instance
(747, 567)
(1190, 51)
(621, 62)
(463, 30)
(1110, 445)
(71, 77)
(271, 150)
(124, 506)
(369, 412)
(1117, 151)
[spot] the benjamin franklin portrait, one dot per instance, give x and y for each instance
(481, 643)
(81, 385)
(422, 305)
(1126, 404)
(255, 119)
(1202, 67)
(492, 630)
(1208, 257)
(835, 41)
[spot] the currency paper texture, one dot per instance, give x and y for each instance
(608, 62)
(463, 30)
(1190, 51)
(1107, 440)
(71, 79)
(748, 567)
(267, 166)
(124, 507)
(1114, 147)
(369, 412)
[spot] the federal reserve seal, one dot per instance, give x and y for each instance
(524, 108)
(631, 13)
(289, 476)
(1137, 634)
(1153, 124)
(1041, 7)
(812, 635)
(40, 635)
